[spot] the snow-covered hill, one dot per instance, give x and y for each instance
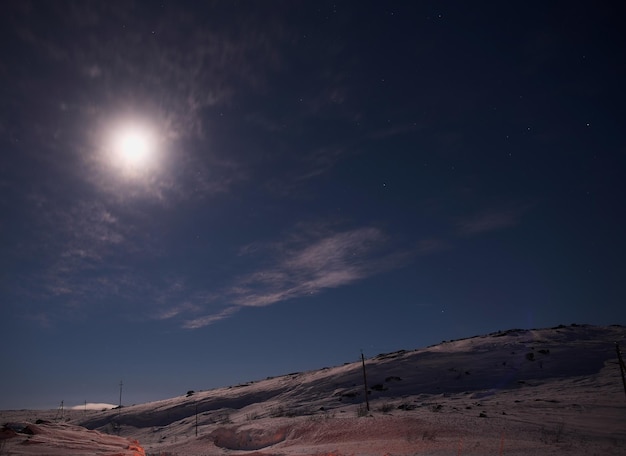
(514, 392)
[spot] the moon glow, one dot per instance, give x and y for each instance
(133, 147)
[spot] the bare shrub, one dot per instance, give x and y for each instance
(223, 418)
(324, 416)
(385, 408)
(436, 408)
(362, 411)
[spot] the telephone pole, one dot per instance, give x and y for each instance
(60, 412)
(622, 367)
(367, 400)
(119, 409)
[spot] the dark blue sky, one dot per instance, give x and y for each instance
(320, 178)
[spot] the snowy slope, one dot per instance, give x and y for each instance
(51, 439)
(516, 392)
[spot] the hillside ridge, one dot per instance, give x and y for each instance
(483, 364)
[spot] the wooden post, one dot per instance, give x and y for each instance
(119, 408)
(196, 419)
(367, 400)
(622, 367)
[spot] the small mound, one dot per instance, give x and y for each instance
(247, 439)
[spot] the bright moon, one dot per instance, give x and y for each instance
(133, 148)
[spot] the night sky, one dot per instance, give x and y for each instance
(198, 194)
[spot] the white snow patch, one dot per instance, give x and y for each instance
(94, 406)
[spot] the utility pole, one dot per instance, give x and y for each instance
(367, 400)
(119, 409)
(621, 365)
(60, 412)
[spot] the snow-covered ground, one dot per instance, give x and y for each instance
(517, 392)
(62, 439)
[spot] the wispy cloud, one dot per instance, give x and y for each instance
(307, 264)
(78, 253)
(205, 320)
(315, 258)
(168, 69)
(177, 310)
(332, 261)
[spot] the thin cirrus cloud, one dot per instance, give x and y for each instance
(77, 251)
(169, 75)
(198, 64)
(82, 231)
(311, 263)
(207, 320)
(308, 267)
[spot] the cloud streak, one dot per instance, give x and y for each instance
(315, 259)
(306, 266)
(335, 260)
(206, 320)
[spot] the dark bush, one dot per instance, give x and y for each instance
(406, 406)
(436, 408)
